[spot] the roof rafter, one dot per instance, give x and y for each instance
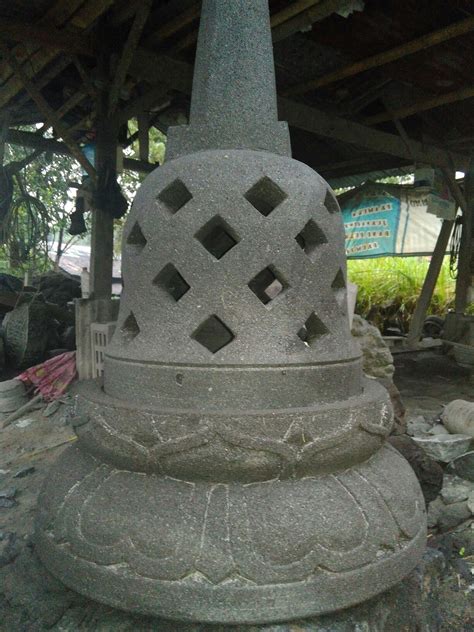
(48, 112)
(421, 43)
(62, 40)
(141, 16)
(178, 75)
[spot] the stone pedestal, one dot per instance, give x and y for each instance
(232, 468)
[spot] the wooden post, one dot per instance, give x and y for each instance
(102, 234)
(464, 281)
(421, 309)
(143, 119)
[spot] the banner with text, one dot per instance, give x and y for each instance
(383, 220)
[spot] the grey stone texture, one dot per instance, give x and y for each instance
(33, 601)
(234, 102)
(444, 447)
(428, 472)
(232, 468)
(463, 466)
(377, 358)
(458, 417)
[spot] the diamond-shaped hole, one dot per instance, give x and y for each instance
(217, 237)
(331, 203)
(172, 282)
(310, 238)
(265, 196)
(136, 239)
(130, 328)
(312, 330)
(339, 287)
(213, 334)
(268, 284)
(175, 196)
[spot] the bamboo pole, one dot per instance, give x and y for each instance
(421, 43)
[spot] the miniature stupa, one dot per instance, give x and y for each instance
(232, 467)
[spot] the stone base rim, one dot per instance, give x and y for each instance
(266, 604)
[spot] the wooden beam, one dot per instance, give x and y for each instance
(56, 68)
(422, 43)
(143, 120)
(305, 19)
(276, 20)
(102, 231)
(465, 277)
(48, 113)
(84, 75)
(423, 106)
(323, 124)
(66, 107)
(178, 75)
(60, 40)
(455, 189)
(162, 69)
(89, 13)
(152, 98)
(29, 139)
(291, 10)
(131, 43)
(63, 11)
(173, 26)
(18, 165)
(4, 123)
(56, 16)
(423, 303)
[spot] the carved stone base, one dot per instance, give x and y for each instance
(234, 553)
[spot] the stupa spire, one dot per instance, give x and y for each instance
(234, 103)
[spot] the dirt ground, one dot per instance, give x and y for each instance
(30, 600)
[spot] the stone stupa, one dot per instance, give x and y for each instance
(232, 467)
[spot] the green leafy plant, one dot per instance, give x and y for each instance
(389, 288)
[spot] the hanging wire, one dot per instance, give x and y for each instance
(454, 248)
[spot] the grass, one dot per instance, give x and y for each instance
(389, 287)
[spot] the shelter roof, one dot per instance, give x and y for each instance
(366, 85)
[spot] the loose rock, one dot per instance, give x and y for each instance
(8, 547)
(455, 489)
(463, 466)
(435, 509)
(9, 492)
(444, 448)
(470, 502)
(428, 472)
(7, 498)
(458, 417)
(25, 471)
(438, 429)
(377, 359)
(453, 515)
(417, 426)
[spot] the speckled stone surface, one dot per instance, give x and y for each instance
(232, 468)
(234, 95)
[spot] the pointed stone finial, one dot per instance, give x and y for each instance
(234, 95)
